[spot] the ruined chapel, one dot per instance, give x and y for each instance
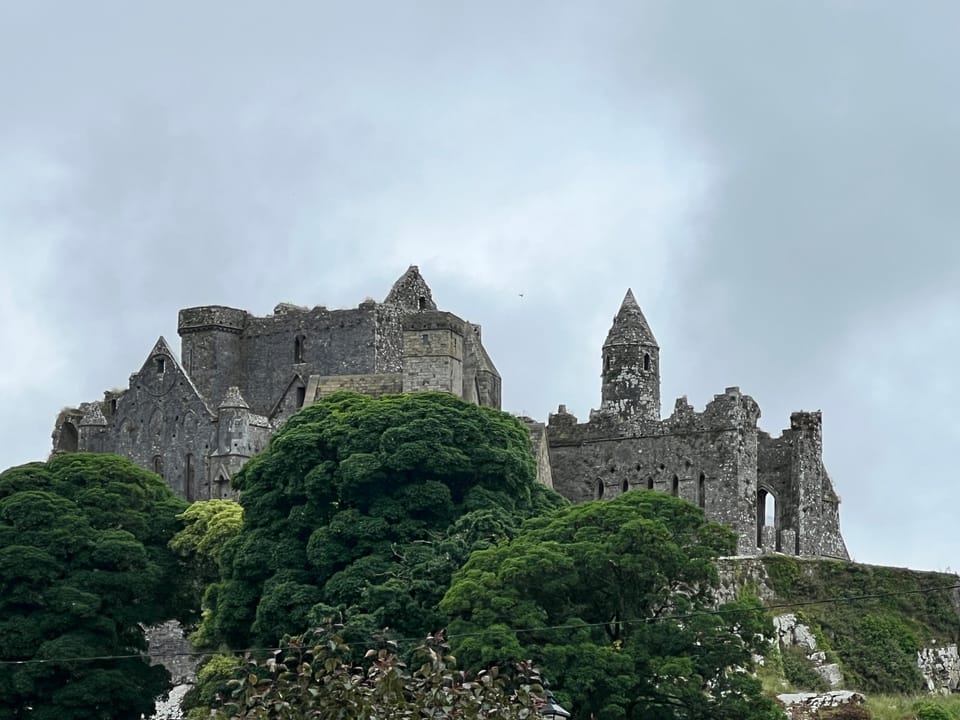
(196, 419)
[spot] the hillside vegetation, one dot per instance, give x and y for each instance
(871, 620)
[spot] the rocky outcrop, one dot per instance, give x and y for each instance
(805, 706)
(940, 667)
(790, 632)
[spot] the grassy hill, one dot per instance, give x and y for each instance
(870, 620)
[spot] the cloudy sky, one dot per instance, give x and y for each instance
(777, 182)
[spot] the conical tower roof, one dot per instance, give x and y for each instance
(630, 326)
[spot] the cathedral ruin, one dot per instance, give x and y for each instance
(195, 420)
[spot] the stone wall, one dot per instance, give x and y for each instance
(173, 418)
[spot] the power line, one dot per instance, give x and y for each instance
(480, 633)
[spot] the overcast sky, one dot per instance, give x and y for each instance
(777, 182)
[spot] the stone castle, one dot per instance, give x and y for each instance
(196, 420)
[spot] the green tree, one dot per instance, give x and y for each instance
(362, 508)
(614, 601)
(83, 563)
(208, 525)
(314, 676)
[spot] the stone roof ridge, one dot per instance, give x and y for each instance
(233, 399)
(162, 347)
(411, 292)
(630, 327)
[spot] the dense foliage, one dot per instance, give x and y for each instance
(207, 526)
(614, 602)
(875, 636)
(362, 508)
(314, 676)
(83, 562)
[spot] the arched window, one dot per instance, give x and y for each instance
(158, 465)
(626, 485)
(298, 343)
(702, 491)
(649, 483)
(675, 486)
(766, 512)
(599, 489)
(646, 361)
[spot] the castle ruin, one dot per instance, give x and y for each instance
(195, 421)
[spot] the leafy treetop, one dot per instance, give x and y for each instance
(614, 601)
(362, 508)
(84, 563)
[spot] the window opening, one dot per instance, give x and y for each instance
(298, 343)
(649, 483)
(675, 486)
(189, 479)
(161, 365)
(301, 396)
(646, 361)
(702, 491)
(606, 363)
(626, 486)
(766, 512)
(158, 465)
(421, 303)
(599, 489)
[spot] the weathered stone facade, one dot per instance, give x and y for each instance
(718, 458)
(197, 419)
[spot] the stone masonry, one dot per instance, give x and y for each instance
(718, 458)
(196, 420)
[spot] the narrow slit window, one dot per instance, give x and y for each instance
(301, 396)
(599, 489)
(189, 478)
(702, 491)
(298, 343)
(675, 486)
(649, 483)
(161, 365)
(626, 486)
(646, 361)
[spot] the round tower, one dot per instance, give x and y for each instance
(631, 366)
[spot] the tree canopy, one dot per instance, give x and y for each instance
(83, 563)
(362, 508)
(614, 601)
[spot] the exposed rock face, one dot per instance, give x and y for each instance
(792, 633)
(800, 706)
(940, 667)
